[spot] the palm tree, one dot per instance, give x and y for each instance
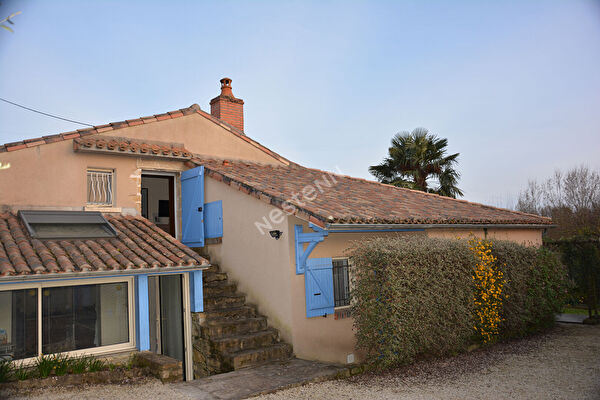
(418, 157)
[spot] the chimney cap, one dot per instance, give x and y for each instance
(226, 88)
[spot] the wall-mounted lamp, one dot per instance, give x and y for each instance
(275, 234)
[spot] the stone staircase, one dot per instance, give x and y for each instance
(230, 334)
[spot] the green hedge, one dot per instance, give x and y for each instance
(414, 295)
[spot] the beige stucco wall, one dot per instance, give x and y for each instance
(527, 237)
(53, 176)
(258, 263)
(200, 136)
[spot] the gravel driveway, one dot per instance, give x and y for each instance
(562, 364)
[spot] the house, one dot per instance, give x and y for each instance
(97, 228)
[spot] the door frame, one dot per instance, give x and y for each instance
(172, 192)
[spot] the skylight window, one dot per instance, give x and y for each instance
(66, 224)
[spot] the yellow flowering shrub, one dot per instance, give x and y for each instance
(488, 283)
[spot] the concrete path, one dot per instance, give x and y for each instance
(570, 318)
(264, 379)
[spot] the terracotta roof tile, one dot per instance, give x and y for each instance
(128, 146)
(343, 199)
(139, 244)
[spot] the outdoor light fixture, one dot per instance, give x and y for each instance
(275, 234)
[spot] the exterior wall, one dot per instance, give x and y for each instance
(53, 176)
(527, 237)
(258, 263)
(200, 136)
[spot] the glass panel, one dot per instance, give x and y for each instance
(81, 317)
(341, 283)
(67, 231)
(18, 324)
(171, 312)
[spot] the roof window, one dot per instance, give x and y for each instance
(66, 224)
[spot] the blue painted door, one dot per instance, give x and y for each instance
(318, 281)
(192, 206)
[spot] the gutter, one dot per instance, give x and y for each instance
(350, 228)
(58, 276)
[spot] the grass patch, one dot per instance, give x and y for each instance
(51, 365)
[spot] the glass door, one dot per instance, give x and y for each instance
(171, 316)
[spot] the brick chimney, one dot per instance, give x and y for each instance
(226, 107)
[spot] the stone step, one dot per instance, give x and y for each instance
(213, 277)
(214, 329)
(252, 357)
(234, 313)
(224, 302)
(213, 268)
(246, 342)
(219, 288)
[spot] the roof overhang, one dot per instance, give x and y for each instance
(100, 274)
(350, 228)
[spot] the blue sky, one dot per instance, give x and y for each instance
(513, 85)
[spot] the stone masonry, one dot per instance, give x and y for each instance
(230, 334)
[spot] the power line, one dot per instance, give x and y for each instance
(43, 113)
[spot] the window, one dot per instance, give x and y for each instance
(66, 224)
(341, 282)
(100, 187)
(18, 323)
(71, 318)
(82, 317)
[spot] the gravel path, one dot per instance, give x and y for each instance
(562, 364)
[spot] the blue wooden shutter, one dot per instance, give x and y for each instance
(192, 206)
(213, 219)
(318, 280)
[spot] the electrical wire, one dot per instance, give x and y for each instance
(46, 114)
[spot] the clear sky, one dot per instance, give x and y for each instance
(513, 85)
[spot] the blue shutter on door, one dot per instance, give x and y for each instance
(318, 281)
(213, 219)
(192, 206)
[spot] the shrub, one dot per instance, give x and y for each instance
(411, 296)
(415, 295)
(536, 288)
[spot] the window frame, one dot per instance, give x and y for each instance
(99, 350)
(113, 173)
(350, 285)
